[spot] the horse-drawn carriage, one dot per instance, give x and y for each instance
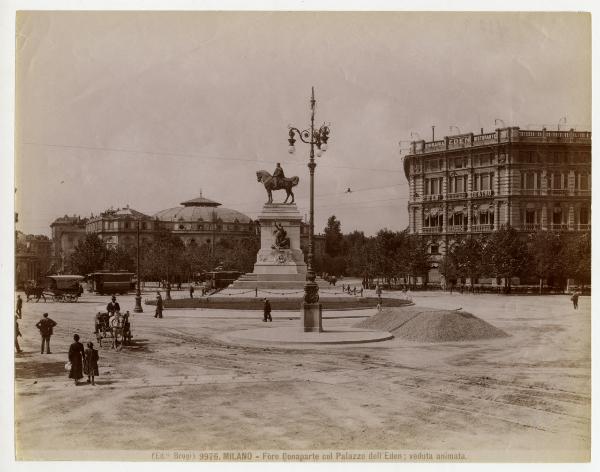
(63, 288)
(115, 326)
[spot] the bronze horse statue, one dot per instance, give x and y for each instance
(267, 180)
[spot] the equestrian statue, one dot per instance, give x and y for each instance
(277, 181)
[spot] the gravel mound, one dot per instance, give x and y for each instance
(428, 325)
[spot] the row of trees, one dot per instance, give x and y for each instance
(165, 257)
(391, 255)
(549, 257)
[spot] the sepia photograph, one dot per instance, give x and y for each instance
(301, 236)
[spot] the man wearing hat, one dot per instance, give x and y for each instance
(267, 311)
(159, 306)
(113, 307)
(46, 325)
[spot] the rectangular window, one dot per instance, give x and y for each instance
(483, 218)
(557, 216)
(460, 184)
(557, 181)
(583, 216)
(530, 216)
(583, 182)
(434, 186)
(485, 182)
(529, 180)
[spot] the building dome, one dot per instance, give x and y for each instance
(202, 209)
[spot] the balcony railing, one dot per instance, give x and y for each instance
(583, 193)
(558, 191)
(530, 191)
(429, 198)
(482, 193)
(482, 228)
(582, 227)
(531, 226)
(456, 229)
(558, 227)
(432, 229)
(456, 195)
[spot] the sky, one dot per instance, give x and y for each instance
(149, 109)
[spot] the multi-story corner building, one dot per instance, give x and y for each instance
(476, 183)
(67, 231)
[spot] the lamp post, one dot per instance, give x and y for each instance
(311, 308)
(138, 292)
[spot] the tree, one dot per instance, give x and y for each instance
(578, 255)
(238, 255)
(334, 239)
(547, 255)
(118, 258)
(89, 255)
(507, 254)
(164, 257)
(466, 256)
(418, 259)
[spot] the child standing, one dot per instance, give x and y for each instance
(90, 364)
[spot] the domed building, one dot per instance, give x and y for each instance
(203, 221)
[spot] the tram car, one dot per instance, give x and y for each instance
(111, 282)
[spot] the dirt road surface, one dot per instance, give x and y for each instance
(181, 387)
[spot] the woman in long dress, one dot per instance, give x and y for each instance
(90, 363)
(76, 356)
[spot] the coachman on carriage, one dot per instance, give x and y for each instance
(115, 326)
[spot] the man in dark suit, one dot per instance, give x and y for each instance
(46, 325)
(267, 311)
(113, 307)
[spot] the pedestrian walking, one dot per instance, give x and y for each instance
(46, 326)
(159, 306)
(191, 291)
(90, 363)
(379, 304)
(267, 311)
(19, 305)
(575, 300)
(76, 355)
(354, 290)
(17, 334)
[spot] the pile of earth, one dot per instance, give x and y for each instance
(429, 325)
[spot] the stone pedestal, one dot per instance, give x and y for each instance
(270, 260)
(277, 268)
(312, 317)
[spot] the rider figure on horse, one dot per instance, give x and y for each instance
(278, 176)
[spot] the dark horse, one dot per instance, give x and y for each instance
(267, 180)
(34, 292)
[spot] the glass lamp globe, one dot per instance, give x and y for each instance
(291, 149)
(319, 152)
(324, 147)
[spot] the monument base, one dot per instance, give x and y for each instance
(312, 317)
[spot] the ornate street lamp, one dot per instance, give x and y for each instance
(312, 318)
(138, 292)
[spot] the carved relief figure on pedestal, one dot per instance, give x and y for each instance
(281, 239)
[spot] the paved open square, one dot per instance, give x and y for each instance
(185, 385)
